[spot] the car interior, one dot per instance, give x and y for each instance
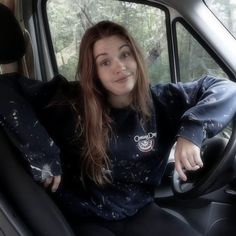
(207, 201)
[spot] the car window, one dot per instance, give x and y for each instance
(194, 60)
(69, 19)
(225, 10)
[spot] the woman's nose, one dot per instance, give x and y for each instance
(119, 66)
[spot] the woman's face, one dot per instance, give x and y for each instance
(116, 69)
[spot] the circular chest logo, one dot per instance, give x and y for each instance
(145, 143)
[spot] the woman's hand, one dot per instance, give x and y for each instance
(53, 182)
(187, 157)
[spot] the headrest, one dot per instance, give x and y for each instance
(12, 43)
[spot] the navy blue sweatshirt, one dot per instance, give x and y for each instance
(21, 124)
(138, 150)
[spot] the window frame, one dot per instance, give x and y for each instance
(217, 17)
(152, 4)
(204, 44)
(171, 40)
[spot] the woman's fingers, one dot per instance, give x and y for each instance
(180, 170)
(47, 181)
(56, 183)
(53, 181)
(198, 160)
(182, 167)
(187, 157)
(191, 162)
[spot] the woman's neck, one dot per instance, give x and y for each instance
(119, 101)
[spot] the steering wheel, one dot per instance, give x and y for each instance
(218, 156)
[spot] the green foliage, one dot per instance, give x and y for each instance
(69, 19)
(194, 61)
(69, 69)
(159, 72)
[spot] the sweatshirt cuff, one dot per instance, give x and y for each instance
(45, 170)
(193, 132)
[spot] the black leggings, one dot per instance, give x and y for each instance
(150, 221)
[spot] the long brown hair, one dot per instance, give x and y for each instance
(96, 122)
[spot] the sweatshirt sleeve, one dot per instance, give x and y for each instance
(20, 122)
(40, 94)
(205, 106)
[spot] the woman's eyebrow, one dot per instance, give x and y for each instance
(105, 54)
(100, 54)
(124, 45)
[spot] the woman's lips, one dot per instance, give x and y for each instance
(123, 78)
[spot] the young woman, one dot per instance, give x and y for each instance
(115, 133)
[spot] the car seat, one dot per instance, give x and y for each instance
(25, 208)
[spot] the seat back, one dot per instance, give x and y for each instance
(16, 52)
(12, 43)
(36, 209)
(38, 215)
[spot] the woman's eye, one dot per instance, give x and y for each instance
(105, 63)
(125, 54)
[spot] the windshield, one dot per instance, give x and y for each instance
(225, 10)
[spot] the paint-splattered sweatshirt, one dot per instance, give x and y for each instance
(20, 122)
(138, 150)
